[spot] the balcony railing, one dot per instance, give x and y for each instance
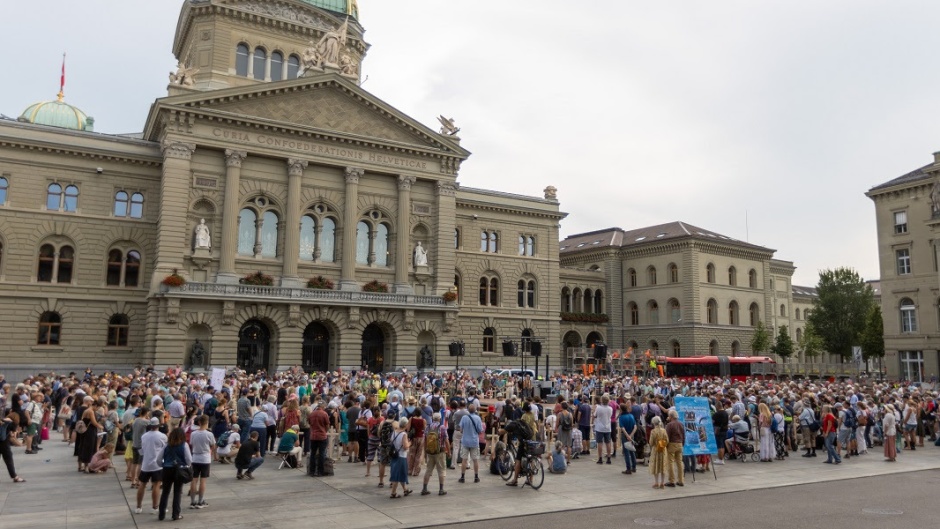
(302, 295)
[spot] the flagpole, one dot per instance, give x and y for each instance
(62, 80)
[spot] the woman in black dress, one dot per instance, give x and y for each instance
(86, 443)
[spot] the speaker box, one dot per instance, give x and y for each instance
(454, 349)
(509, 348)
(535, 348)
(600, 352)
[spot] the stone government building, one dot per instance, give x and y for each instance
(267, 156)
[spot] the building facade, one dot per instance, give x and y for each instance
(907, 216)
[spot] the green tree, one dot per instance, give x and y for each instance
(840, 310)
(810, 343)
(783, 347)
(873, 337)
(761, 340)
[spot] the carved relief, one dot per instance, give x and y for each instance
(228, 312)
(293, 315)
(172, 310)
(296, 167)
(178, 150)
(405, 182)
(286, 13)
(234, 158)
(409, 320)
(353, 320)
(445, 189)
(353, 174)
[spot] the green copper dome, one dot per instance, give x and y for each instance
(347, 7)
(57, 114)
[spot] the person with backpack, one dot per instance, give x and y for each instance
(564, 424)
(436, 447)
(520, 430)
(228, 443)
(386, 449)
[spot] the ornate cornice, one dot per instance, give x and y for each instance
(71, 151)
(234, 158)
(296, 167)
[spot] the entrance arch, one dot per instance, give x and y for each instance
(373, 348)
(593, 338)
(254, 346)
(316, 348)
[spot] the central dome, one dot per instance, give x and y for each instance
(346, 7)
(57, 114)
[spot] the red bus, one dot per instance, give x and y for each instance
(738, 368)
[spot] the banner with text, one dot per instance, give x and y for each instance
(218, 377)
(695, 415)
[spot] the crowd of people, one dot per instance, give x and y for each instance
(171, 426)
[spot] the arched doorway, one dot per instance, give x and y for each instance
(593, 338)
(316, 348)
(373, 348)
(254, 346)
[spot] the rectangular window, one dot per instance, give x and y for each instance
(900, 222)
(904, 261)
(912, 365)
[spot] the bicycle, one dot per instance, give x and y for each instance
(531, 468)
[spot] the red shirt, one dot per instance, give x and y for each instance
(830, 424)
(319, 425)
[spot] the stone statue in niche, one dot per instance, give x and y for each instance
(421, 255)
(203, 238)
(197, 355)
(427, 358)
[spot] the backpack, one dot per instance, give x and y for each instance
(223, 439)
(863, 419)
(435, 404)
(773, 424)
(850, 418)
(385, 441)
(129, 432)
(565, 422)
(662, 444)
(304, 419)
(525, 432)
(432, 440)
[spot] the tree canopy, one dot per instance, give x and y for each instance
(760, 342)
(783, 346)
(841, 310)
(810, 343)
(873, 337)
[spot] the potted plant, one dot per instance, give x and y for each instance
(375, 286)
(258, 278)
(174, 279)
(450, 296)
(320, 283)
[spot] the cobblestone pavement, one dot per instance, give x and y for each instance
(55, 495)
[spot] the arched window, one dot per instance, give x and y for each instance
(530, 246)
(908, 316)
(123, 271)
(783, 311)
(457, 289)
(752, 278)
(653, 312)
(711, 312)
(381, 245)
(673, 273)
(277, 66)
(489, 291)
(317, 235)
(735, 348)
(115, 264)
(293, 67)
(53, 197)
(565, 300)
(732, 276)
(50, 328)
(634, 313)
(654, 346)
(327, 241)
(117, 330)
(676, 350)
(456, 238)
(259, 62)
(526, 294)
(631, 274)
(520, 294)
(755, 314)
(489, 241)
(55, 264)
(713, 348)
(489, 340)
(577, 300)
(121, 204)
(796, 313)
(733, 313)
(651, 275)
(241, 60)
(44, 272)
(675, 311)
(4, 187)
(710, 273)
(588, 301)
(362, 243)
(308, 238)
(247, 231)
(268, 232)
(132, 269)
(799, 335)
(598, 302)
(65, 261)
(137, 205)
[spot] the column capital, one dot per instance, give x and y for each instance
(234, 158)
(178, 150)
(353, 174)
(405, 182)
(295, 167)
(446, 189)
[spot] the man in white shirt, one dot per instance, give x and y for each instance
(203, 443)
(602, 414)
(233, 442)
(152, 445)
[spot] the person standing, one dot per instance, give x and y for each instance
(627, 425)
(602, 415)
(152, 445)
(436, 447)
(720, 423)
(243, 410)
(675, 433)
(175, 455)
(829, 426)
(889, 427)
(471, 426)
(399, 463)
(203, 443)
(6, 430)
(659, 442)
(807, 420)
(319, 429)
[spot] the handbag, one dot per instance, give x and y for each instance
(44, 433)
(184, 474)
(629, 446)
(81, 427)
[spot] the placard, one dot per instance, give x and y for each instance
(695, 415)
(218, 377)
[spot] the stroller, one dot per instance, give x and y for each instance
(741, 448)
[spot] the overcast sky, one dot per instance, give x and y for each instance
(765, 121)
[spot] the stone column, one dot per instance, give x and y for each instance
(445, 257)
(347, 279)
(402, 286)
(172, 231)
(230, 210)
(291, 253)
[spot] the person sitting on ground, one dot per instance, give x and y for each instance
(229, 443)
(101, 461)
(559, 463)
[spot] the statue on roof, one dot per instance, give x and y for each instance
(331, 44)
(183, 75)
(448, 128)
(348, 65)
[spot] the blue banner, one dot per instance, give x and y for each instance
(696, 418)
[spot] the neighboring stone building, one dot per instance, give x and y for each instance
(677, 289)
(907, 216)
(266, 158)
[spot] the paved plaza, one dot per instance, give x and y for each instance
(55, 495)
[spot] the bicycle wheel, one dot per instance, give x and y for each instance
(755, 456)
(506, 464)
(536, 473)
